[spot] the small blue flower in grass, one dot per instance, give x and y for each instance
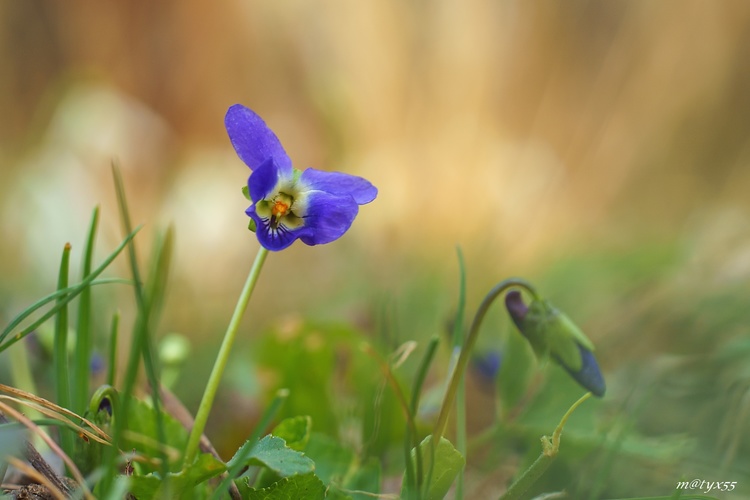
(552, 333)
(313, 205)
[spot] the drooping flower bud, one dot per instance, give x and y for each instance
(552, 334)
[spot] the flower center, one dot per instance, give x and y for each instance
(280, 208)
(281, 205)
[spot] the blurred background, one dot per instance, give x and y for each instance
(599, 149)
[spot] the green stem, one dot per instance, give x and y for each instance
(61, 350)
(550, 447)
(411, 441)
(461, 434)
(458, 339)
(463, 359)
(221, 360)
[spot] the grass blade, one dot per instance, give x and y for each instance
(84, 342)
(62, 386)
(74, 291)
(147, 308)
(458, 340)
(113, 334)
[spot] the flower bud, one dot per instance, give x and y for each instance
(552, 334)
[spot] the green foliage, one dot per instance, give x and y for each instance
(332, 378)
(63, 297)
(441, 464)
(364, 480)
(176, 485)
(88, 453)
(341, 433)
(273, 453)
(84, 340)
(294, 431)
(306, 486)
(515, 371)
(144, 435)
(303, 356)
(332, 459)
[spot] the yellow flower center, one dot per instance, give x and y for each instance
(279, 208)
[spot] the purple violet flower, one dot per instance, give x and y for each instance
(313, 205)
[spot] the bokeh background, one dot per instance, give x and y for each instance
(599, 149)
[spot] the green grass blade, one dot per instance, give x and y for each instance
(84, 342)
(458, 322)
(141, 331)
(62, 386)
(113, 334)
(154, 298)
(127, 225)
(458, 340)
(69, 295)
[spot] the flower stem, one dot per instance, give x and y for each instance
(221, 360)
(550, 447)
(463, 359)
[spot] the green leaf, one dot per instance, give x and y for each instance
(295, 431)
(88, 453)
(144, 432)
(204, 468)
(448, 463)
(306, 486)
(179, 485)
(332, 460)
(273, 453)
(145, 487)
(314, 346)
(365, 479)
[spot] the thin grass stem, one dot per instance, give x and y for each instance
(62, 385)
(458, 339)
(84, 341)
(113, 335)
